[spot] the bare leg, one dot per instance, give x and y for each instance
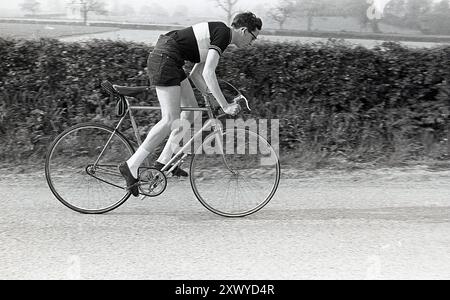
(188, 100)
(169, 99)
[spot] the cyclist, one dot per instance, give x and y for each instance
(202, 44)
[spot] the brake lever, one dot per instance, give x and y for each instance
(242, 97)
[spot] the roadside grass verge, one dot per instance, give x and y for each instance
(36, 31)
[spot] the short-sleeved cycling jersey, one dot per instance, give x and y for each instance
(194, 42)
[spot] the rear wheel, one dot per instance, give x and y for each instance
(81, 168)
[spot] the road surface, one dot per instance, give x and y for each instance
(379, 224)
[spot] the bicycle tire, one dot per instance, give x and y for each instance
(68, 172)
(209, 172)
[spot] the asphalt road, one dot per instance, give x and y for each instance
(385, 224)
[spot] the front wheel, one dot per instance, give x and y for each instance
(81, 168)
(235, 173)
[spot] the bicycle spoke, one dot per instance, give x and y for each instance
(72, 177)
(249, 187)
(228, 190)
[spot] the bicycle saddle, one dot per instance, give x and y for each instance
(130, 91)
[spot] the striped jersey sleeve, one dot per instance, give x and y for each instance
(220, 36)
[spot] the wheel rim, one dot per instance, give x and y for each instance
(72, 176)
(241, 186)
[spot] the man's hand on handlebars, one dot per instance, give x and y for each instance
(232, 109)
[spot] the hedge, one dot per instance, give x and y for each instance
(361, 104)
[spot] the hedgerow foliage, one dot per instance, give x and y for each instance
(363, 104)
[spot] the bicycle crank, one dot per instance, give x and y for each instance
(152, 182)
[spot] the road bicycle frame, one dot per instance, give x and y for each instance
(179, 157)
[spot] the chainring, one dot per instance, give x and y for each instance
(152, 182)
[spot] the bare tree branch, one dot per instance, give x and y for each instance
(87, 6)
(228, 7)
(32, 6)
(281, 12)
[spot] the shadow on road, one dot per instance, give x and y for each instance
(417, 214)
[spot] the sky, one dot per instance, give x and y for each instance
(196, 8)
(194, 5)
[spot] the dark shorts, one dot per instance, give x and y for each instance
(165, 64)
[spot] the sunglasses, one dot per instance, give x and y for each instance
(254, 36)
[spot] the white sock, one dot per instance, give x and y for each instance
(163, 161)
(136, 161)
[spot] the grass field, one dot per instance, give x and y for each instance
(35, 31)
(151, 36)
(329, 23)
(77, 33)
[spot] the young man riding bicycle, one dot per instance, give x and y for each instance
(202, 44)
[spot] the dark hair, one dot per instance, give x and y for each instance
(247, 19)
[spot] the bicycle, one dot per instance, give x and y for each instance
(81, 165)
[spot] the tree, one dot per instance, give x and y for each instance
(260, 9)
(396, 8)
(31, 6)
(365, 12)
(442, 7)
(415, 10)
(309, 9)
(87, 6)
(419, 14)
(437, 21)
(394, 13)
(228, 6)
(281, 12)
(374, 15)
